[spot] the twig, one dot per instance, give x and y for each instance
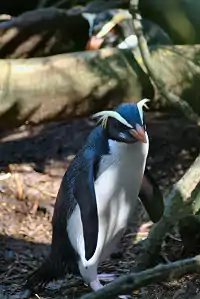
(178, 102)
(131, 282)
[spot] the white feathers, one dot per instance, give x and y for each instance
(117, 18)
(104, 117)
(140, 105)
(130, 42)
(143, 103)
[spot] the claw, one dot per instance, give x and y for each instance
(106, 277)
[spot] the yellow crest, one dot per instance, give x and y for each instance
(104, 118)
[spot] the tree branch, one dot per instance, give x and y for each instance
(183, 106)
(157, 274)
(179, 202)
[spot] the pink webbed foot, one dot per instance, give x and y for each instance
(107, 277)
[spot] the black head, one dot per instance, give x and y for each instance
(125, 124)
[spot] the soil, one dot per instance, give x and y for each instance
(33, 161)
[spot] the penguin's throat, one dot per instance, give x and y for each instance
(131, 149)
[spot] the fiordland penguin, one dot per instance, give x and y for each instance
(98, 195)
(114, 28)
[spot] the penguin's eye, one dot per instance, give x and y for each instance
(120, 127)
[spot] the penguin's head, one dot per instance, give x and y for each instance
(125, 124)
(110, 28)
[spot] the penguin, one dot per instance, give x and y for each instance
(97, 197)
(114, 28)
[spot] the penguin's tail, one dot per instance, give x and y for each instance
(52, 268)
(47, 272)
(55, 266)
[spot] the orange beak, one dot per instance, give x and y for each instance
(139, 133)
(94, 43)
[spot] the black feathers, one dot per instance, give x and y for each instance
(151, 197)
(77, 187)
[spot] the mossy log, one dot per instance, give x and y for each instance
(72, 85)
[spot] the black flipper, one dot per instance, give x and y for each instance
(62, 257)
(84, 193)
(151, 197)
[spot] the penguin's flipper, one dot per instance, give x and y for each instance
(84, 194)
(151, 197)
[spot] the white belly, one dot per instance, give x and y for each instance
(116, 188)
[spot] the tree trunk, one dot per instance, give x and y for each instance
(79, 84)
(179, 18)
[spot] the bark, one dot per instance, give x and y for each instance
(131, 282)
(182, 200)
(43, 32)
(67, 86)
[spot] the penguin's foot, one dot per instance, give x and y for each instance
(107, 277)
(96, 285)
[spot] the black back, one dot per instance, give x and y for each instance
(77, 187)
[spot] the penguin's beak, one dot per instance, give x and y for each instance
(139, 133)
(94, 43)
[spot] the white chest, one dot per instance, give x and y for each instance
(118, 185)
(116, 188)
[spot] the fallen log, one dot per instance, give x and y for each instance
(68, 86)
(75, 85)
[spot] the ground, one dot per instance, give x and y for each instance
(37, 158)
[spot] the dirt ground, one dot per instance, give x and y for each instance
(33, 161)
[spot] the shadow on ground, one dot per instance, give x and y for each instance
(25, 236)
